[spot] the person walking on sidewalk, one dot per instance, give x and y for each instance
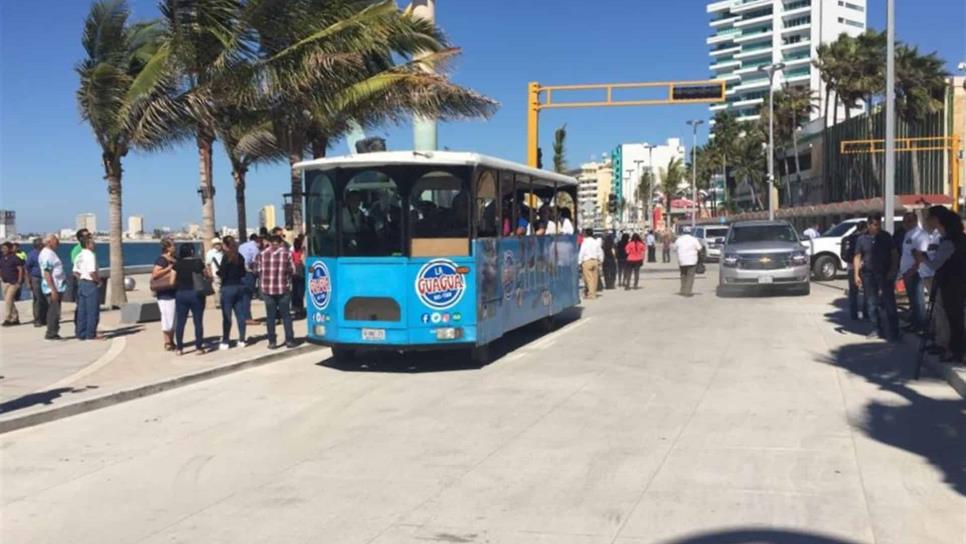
(35, 277)
(249, 250)
(88, 292)
(847, 252)
(164, 267)
(12, 276)
(274, 269)
(53, 286)
(232, 273)
(666, 243)
(635, 259)
(876, 262)
(915, 239)
(651, 241)
(609, 266)
(622, 258)
(187, 299)
(590, 256)
(688, 249)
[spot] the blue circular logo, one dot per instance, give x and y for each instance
(320, 285)
(439, 284)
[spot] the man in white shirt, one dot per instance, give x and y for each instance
(213, 262)
(590, 256)
(651, 242)
(812, 232)
(916, 239)
(88, 310)
(53, 285)
(688, 248)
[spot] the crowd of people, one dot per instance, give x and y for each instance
(615, 260)
(930, 261)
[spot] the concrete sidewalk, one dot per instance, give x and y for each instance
(42, 380)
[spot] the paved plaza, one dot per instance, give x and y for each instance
(645, 418)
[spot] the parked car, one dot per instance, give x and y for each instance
(826, 255)
(712, 238)
(764, 254)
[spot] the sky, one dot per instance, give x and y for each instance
(50, 167)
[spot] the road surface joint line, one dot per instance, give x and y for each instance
(16, 422)
(117, 346)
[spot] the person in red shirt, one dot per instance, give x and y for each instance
(635, 258)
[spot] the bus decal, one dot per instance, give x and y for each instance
(320, 285)
(439, 284)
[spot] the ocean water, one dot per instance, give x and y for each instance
(135, 253)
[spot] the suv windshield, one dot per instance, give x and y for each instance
(762, 233)
(839, 230)
(716, 232)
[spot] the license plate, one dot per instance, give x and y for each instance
(373, 334)
(765, 279)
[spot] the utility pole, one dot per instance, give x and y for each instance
(637, 181)
(694, 169)
(772, 190)
(890, 122)
(424, 128)
(649, 220)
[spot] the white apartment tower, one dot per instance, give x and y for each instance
(748, 34)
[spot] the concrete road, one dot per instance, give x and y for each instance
(651, 418)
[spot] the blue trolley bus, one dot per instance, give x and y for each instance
(425, 250)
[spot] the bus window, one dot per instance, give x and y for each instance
(440, 216)
(487, 207)
(320, 206)
(509, 211)
(371, 216)
(564, 207)
(525, 204)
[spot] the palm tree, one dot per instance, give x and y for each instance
(793, 107)
(750, 161)
(920, 89)
(559, 155)
(671, 178)
(116, 51)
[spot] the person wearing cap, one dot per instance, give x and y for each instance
(213, 262)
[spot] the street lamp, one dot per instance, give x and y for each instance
(770, 69)
(649, 219)
(637, 181)
(694, 124)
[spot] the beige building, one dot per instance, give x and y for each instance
(596, 183)
(86, 221)
(135, 226)
(266, 217)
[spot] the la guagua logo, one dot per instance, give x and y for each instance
(439, 284)
(320, 285)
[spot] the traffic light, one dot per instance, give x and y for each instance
(612, 203)
(539, 157)
(697, 92)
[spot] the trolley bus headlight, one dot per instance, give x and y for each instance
(449, 333)
(320, 330)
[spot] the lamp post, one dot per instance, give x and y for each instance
(629, 175)
(770, 69)
(649, 219)
(637, 181)
(694, 124)
(890, 120)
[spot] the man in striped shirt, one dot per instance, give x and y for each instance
(274, 269)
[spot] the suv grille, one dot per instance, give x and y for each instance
(764, 261)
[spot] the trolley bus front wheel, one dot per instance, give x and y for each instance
(480, 355)
(343, 354)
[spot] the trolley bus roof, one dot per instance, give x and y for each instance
(449, 158)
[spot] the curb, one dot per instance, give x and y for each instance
(124, 395)
(956, 379)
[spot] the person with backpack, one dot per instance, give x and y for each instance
(847, 252)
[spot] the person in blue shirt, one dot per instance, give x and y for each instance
(36, 278)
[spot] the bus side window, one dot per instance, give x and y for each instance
(321, 205)
(508, 205)
(523, 205)
(487, 212)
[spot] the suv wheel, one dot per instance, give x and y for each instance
(824, 268)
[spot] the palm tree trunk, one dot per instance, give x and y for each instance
(118, 295)
(916, 174)
(294, 156)
(238, 174)
(319, 146)
(798, 162)
(828, 94)
(205, 140)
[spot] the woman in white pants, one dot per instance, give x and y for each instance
(164, 266)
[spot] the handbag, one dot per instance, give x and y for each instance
(164, 282)
(202, 285)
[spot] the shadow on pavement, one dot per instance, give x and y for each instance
(447, 360)
(844, 324)
(123, 331)
(43, 397)
(934, 429)
(754, 535)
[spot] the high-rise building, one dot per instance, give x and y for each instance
(135, 226)
(630, 162)
(8, 225)
(595, 183)
(749, 34)
(266, 217)
(86, 221)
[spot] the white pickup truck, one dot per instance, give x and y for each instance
(827, 249)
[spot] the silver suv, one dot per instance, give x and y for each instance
(761, 254)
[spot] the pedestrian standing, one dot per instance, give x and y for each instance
(232, 273)
(187, 299)
(812, 232)
(622, 258)
(666, 242)
(635, 259)
(213, 260)
(54, 285)
(274, 268)
(88, 292)
(847, 252)
(610, 261)
(249, 250)
(12, 276)
(35, 277)
(876, 262)
(298, 276)
(651, 242)
(688, 249)
(165, 294)
(915, 239)
(590, 256)
(938, 326)
(950, 266)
